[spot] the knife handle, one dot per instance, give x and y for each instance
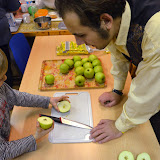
(56, 119)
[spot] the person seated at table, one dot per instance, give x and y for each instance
(10, 97)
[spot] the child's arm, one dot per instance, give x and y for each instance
(15, 148)
(14, 97)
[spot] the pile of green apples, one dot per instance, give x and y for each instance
(86, 68)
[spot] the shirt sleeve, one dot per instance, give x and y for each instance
(120, 67)
(14, 97)
(143, 98)
(13, 5)
(16, 148)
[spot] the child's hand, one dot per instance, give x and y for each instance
(41, 132)
(55, 100)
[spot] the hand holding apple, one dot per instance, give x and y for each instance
(109, 99)
(42, 132)
(55, 100)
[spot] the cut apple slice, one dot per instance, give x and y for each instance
(143, 156)
(45, 122)
(64, 106)
(126, 155)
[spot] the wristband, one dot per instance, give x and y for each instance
(118, 92)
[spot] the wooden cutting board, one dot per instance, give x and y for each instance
(63, 81)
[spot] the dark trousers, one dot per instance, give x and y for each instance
(9, 81)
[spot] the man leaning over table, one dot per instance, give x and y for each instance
(131, 31)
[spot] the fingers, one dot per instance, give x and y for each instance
(64, 98)
(56, 107)
(110, 104)
(100, 138)
(106, 139)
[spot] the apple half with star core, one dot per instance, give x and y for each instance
(45, 122)
(89, 73)
(79, 81)
(96, 62)
(64, 68)
(92, 57)
(69, 62)
(98, 69)
(87, 65)
(143, 156)
(49, 79)
(126, 155)
(79, 70)
(76, 58)
(64, 106)
(100, 77)
(78, 63)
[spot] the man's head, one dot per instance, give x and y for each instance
(96, 15)
(3, 67)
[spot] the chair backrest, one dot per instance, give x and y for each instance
(20, 49)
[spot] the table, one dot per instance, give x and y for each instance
(23, 120)
(30, 30)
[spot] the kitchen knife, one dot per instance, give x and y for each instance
(68, 122)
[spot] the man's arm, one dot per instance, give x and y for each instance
(143, 99)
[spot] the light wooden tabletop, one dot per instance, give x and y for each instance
(23, 120)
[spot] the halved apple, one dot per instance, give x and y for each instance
(64, 106)
(126, 155)
(45, 122)
(143, 156)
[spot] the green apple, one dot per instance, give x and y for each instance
(92, 57)
(126, 155)
(64, 106)
(84, 60)
(89, 73)
(87, 65)
(76, 58)
(45, 122)
(100, 77)
(79, 70)
(64, 68)
(78, 63)
(98, 69)
(143, 156)
(96, 62)
(49, 79)
(69, 62)
(79, 80)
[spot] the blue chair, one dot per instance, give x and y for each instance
(20, 49)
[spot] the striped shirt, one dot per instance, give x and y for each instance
(8, 98)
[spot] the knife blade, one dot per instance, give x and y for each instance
(67, 122)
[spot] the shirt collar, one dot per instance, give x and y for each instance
(124, 27)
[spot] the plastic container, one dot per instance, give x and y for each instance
(41, 12)
(11, 19)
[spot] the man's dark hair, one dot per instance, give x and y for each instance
(89, 11)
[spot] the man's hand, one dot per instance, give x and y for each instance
(109, 99)
(55, 100)
(41, 132)
(105, 131)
